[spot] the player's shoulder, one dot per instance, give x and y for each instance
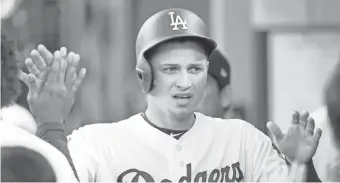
(101, 129)
(220, 123)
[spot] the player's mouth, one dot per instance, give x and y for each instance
(182, 98)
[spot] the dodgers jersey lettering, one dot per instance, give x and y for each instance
(213, 150)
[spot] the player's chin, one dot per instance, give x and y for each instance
(183, 111)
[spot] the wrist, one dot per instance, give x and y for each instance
(298, 171)
(43, 121)
(295, 161)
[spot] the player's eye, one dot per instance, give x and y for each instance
(195, 70)
(170, 69)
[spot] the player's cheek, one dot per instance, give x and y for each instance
(163, 84)
(199, 81)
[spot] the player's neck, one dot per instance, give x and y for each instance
(168, 121)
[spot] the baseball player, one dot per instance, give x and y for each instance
(217, 97)
(11, 88)
(216, 100)
(169, 142)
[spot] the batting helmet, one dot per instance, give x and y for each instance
(219, 68)
(164, 26)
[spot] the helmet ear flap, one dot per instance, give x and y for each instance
(144, 75)
(139, 75)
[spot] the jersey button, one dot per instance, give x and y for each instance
(182, 163)
(178, 147)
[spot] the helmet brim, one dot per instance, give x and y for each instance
(208, 44)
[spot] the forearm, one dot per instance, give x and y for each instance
(54, 134)
(312, 176)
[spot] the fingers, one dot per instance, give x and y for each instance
(32, 82)
(38, 60)
(72, 81)
(62, 68)
(71, 57)
(79, 80)
(317, 134)
(303, 119)
(295, 117)
(71, 75)
(33, 89)
(32, 68)
(45, 54)
(276, 131)
(53, 75)
(310, 125)
(63, 52)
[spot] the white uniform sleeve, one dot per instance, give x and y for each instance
(84, 155)
(267, 164)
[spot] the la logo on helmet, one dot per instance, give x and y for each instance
(178, 21)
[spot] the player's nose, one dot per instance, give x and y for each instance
(183, 81)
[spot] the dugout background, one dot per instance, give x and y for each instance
(269, 44)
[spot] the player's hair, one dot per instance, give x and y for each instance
(19, 164)
(148, 54)
(10, 84)
(332, 100)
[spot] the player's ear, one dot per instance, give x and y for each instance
(226, 96)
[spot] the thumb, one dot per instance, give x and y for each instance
(276, 131)
(32, 80)
(32, 87)
(23, 77)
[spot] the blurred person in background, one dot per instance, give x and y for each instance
(24, 157)
(10, 111)
(10, 89)
(327, 157)
(217, 97)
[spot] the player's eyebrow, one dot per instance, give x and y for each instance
(169, 65)
(200, 63)
(193, 63)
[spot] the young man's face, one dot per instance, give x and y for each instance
(180, 73)
(210, 104)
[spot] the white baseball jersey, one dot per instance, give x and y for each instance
(213, 150)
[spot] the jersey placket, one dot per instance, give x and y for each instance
(179, 164)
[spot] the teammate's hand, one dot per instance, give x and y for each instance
(300, 142)
(52, 84)
(39, 65)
